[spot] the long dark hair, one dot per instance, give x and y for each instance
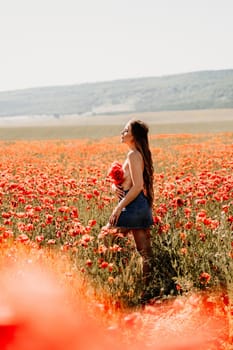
(140, 134)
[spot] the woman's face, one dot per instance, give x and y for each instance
(126, 134)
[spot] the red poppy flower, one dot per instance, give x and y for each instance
(116, 173)
(204, 278)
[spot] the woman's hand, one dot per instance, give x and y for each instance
(118, 191)
(114, 216)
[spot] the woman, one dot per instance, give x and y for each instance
(134, 209)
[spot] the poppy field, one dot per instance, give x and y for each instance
(64, 276)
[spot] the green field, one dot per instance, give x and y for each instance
(96, 127)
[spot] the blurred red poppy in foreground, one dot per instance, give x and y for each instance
(36, 313)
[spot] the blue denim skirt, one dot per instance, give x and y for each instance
(137, 214)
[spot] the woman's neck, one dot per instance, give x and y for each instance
(132, 146)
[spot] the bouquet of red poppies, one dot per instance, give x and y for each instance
(116, 173)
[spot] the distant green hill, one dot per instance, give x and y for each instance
(198, 90)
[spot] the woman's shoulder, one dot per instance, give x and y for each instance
(134, 155)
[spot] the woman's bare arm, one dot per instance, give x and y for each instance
(135, 162)
(136, 165)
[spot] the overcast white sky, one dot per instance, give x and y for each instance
(59, 42)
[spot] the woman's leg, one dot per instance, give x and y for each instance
(143, 244)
